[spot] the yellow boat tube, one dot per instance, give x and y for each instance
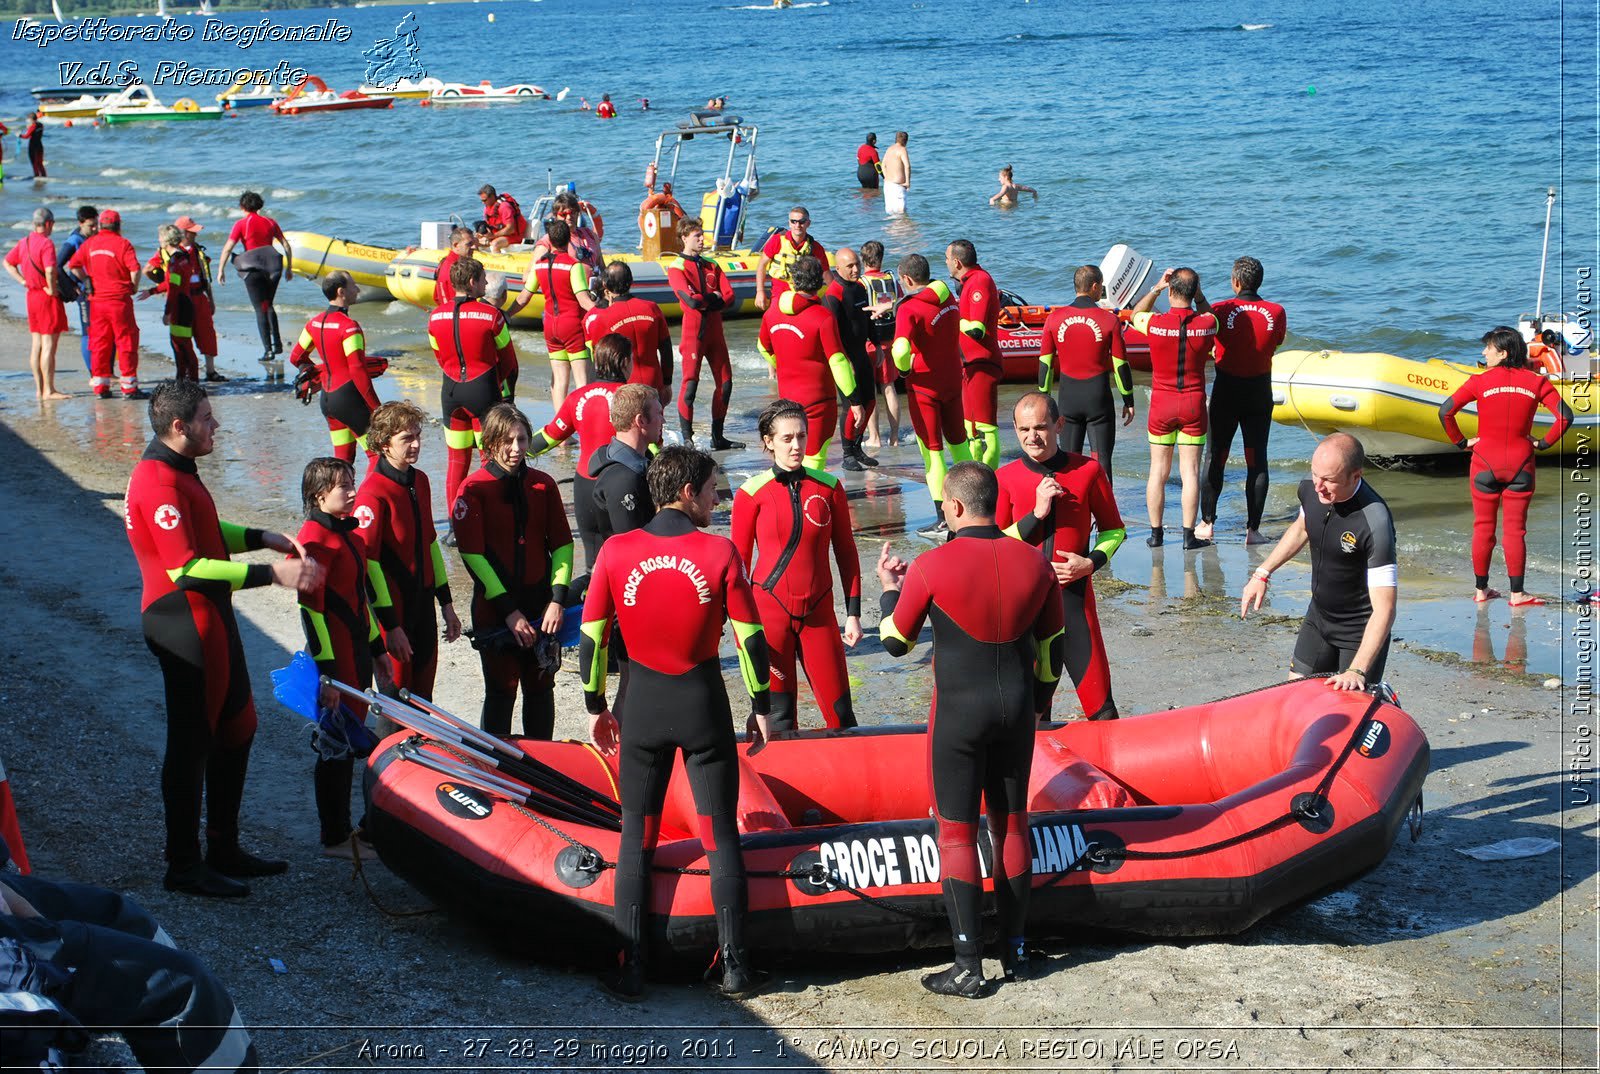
(317, 255)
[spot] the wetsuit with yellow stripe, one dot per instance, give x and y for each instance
(927, 349)
(472, 343)
(673, 698)
(560, 277)
(800, 339)
(348, 398)
(981, 365)
(178, 277)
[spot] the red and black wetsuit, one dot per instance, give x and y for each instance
(34, 136)
(559, 277)
(512, 534)
(848, 301)
(1249, 332)
(996, 639)
(444, 292)
(405, 566)
(981, 365)
(260, 269)
(703, 291)
(800, 339)
(784, 524)
(205, 303)
(188, 583)
(867, 164)
(1180, 345)
(927, 348)
(1088, 504)
(342, 637)
(348, 397)
(587, 412)
(673, 698)
(109, 261)
(645, 326)
(1082, 342)
(177, 277)
(1503, 458)
(472, 342)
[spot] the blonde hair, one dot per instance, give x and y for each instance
(169, 235)
(631, 402)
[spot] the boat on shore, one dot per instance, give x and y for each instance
(317, 255)
(1198, 821)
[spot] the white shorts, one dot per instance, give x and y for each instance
(894, 197)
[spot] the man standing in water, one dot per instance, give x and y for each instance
(182, 550)
(1354, 570)
(896, 175)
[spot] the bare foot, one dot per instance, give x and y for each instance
(1482, 595)
(1255, 537)
(1524, 600)
(872, 442)
(1203, 530)
(52, 394)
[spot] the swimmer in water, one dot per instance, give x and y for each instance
(1009, 189)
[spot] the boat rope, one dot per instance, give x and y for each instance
(1303, 807)
(316, 272)
(372, 896)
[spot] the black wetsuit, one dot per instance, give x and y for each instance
(673, 698)
(621, 495)
(997, 635)
(1352, 548)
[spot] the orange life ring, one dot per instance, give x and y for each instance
(647, 212)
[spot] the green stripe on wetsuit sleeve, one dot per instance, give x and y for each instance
(382, 600)
(317, 636)
(592, 658)
(1105, 546)
(238, 538)
(441, 588)
(754, 663)
(236, 575)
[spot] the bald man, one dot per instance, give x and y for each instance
(1354, 572)
(847, 299)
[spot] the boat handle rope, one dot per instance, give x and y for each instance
(1301, 807)
(325, 251)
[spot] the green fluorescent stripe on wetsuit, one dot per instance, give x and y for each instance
(594, 675)
(1108, 542)
(382, 599)
(744, 633)
(317, 626)
(973, 329)
(889, 632)
(484, 573)
(901, 353)
(1048, 670)
(1047, 374)
(238, 538)
(236, 575)
(561, 566)
(441, 583)
(844, 374)
(1013, 531)
(1122, 376)
(355, 341)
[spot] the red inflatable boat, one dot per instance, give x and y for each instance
(1191, 822)
(1022, 327)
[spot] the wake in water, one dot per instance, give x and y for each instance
(1254, 26)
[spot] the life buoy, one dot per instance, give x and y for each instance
(648, 222)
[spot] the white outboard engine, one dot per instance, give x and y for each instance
(1128, 276)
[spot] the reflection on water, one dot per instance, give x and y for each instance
(1515, 658)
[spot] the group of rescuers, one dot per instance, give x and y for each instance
(369, 568)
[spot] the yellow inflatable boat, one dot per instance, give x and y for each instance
(317, 255)
(1392, 404)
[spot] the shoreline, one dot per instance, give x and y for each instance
(1412, 965)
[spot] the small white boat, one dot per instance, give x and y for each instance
(139, 104)
(86, 106)
(485, 93)
(252, 90)
(405, 89)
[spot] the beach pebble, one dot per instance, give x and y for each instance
(1552, 684)
(1141, 632)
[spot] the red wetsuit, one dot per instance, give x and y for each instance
(472, 342)
(607, 110)
(1249, 332)
(1082, 343)
(704, 292)
(981, 366)
(342, 637)
(587, 412)
(205, 303)
(1503, 458)
(559, 277)
(348, 397)
(405, 565)
(996, 632)
(503, 211)
(1088, 504)
(188, 583)
(801, 340)
(673, 698)
(784, 524)
(645, 325)
(443, 290)
(32, 255)
(1177, 373)
(253, 231)
(110, 263)
(512, 534)
(927, 348)
(181, 280)
(783, 253)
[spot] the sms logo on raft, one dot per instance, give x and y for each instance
(1375, 743)
(461, 802)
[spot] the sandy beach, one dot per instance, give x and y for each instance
(1433, 961)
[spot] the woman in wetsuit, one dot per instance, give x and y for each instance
(260, 266)
(1508, 395)
(784, 521)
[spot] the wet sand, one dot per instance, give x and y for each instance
(1432, 961)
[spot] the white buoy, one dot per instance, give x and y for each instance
(491, 16)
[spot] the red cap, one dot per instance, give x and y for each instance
(109, 217)
(186, 223)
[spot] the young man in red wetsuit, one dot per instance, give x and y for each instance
(673, 698)
(703, 291)
(981, 365)
(1052, 499)
(1509, 394)
(205, 302)
(341, 631)
(182, 550)
(348, 397)
(847, 300)
(512, 533)
(997, 658)
(780, 253)
(1082, 343)
(800, 339)
(507, 225)
(107, 262)
(642, 322)
(462, 243)
(927, 349)
(785, 522)
(405, 566)
(564, 282)
(1249, 332)
(1180, 345)
(472, 342)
